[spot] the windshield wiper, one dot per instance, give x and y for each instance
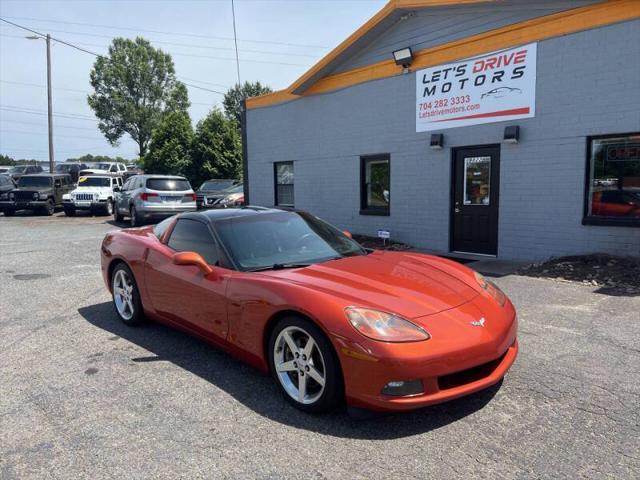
(279, 266)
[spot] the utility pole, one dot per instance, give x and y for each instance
(50, 104)
(49, 95)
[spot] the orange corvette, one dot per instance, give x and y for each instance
(330, 320)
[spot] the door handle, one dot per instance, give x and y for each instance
(457, 210)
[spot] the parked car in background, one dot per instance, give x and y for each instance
(94, 193)
(117, 168)
(331, 321)
(39, 192)
(19, 170)
(72, 169)
(134, 170)
(231, 197)
(616, 203)
(212, 190)
(145, 197)
(7, 184)
(4, 169)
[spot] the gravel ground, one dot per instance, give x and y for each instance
(82, 396)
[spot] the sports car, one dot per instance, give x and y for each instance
(330, 320)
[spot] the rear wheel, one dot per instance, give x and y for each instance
(135, 220)
(305, 365)
(126, 297)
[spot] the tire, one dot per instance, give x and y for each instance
(116, 216)
(9, 212)
(135, 220)
(126, 301)
(70, 211)
(321, 366)
(49, 209)
(108, 208)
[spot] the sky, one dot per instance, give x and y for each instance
(278, 40)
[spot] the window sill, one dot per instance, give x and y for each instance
(370, 211)
(611, 222)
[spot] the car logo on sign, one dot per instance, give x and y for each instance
(478, 323)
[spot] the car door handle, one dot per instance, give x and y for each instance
(457, 210)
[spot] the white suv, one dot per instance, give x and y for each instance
(114, 168)
(94, 193)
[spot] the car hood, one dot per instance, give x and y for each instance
(405, 284)
(33, 189)
(210, 192)
(92, 189)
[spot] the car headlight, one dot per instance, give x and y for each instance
(491, 288)
(12, 196)
(43, 196)
(4, 196)
(383, 326)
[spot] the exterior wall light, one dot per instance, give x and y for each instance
(403, 57)
(512, 134)
(437, 141)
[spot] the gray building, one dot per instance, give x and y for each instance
(510, 128)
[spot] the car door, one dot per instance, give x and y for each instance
(122, 198)
(181, 293)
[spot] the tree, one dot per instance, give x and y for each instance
(6, 160)
(134, 85)
(170, 148)
(88, 158)
(235, 95)
(217, 149)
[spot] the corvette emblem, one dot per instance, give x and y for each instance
(478, 323)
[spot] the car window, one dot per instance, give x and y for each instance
(168, 184)
(128, 184)
(122, 168)
(193, 236)
(161, 227)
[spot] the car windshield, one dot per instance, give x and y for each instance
(168, 184)
(94, 182)
(216, 185)
(63, 168)
(34, 182)
(101, 166)
(281, 239)
(234, 189)
(18, 169)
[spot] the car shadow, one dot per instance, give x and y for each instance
(259, 393)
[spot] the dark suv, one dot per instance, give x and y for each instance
(20, 170)
(42, 192)
(72, 169)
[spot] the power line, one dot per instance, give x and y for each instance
(164, 32)
(44, 125)
(41, 113)
(39, 134)
(235, 39)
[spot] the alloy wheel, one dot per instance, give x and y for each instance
(299, 365)
(123, 294)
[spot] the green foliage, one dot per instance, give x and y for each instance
(88, 158)
(170, 148)
(235, 95)
(6, 160)
(134, 86)
(217, 149)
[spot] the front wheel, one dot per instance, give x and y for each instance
(116, 215)
(305, 365)
(49, 208)
(9, 212)
(69, 211)
(108, 208)
(126, 297)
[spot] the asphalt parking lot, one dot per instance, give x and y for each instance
(82, 395)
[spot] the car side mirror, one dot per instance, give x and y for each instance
(57, 183)
(347, 234)
(194, 259)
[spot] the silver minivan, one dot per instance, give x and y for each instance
(143, 197)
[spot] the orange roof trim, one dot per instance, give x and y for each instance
(561, 23)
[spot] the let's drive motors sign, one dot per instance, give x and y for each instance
(496, 87)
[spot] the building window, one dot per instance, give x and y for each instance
(374, 185)
(283, 173)
(613, 180)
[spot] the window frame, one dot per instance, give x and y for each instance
(598, 220)
(366, 209)
(275, 184)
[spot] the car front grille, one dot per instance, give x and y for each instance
(24, 196)
(84, 196)
(470, 375)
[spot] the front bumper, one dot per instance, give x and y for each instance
(23, 205)
(85, 205)
(450, 365)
